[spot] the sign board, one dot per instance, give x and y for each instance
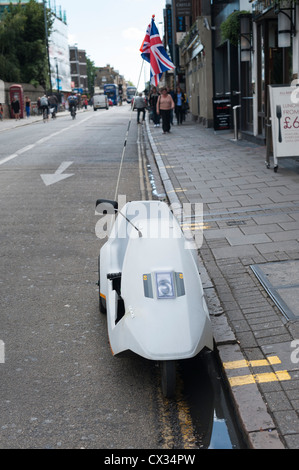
(180, 24)
(284, 107)
(169, 29)
(221, 107)
(183, 7)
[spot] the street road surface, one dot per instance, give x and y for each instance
(60, 386)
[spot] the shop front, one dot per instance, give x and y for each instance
(274, 43)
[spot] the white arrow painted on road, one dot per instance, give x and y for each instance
(53, 178)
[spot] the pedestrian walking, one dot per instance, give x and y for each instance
(1, 112)
(140, 105)
(27, 106)
(164, 105)
(16, 108)
(153, 98)
(171, 93)
(180, 102)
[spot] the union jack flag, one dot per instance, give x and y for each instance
(153, 51)
(145, 46)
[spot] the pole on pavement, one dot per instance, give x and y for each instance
(47, 44)
(236, 122)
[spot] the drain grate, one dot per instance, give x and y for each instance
(281, 281)
(233, 223)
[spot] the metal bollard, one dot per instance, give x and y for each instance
(235, 122)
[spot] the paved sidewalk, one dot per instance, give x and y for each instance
(251, 254)
(8, 124)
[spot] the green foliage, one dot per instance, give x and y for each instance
(230, 28)
(91, 72)
(23, 53)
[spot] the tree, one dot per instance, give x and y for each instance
(230, 27)
(23, 53)
(90, 74)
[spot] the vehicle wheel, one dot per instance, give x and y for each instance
(168, 379)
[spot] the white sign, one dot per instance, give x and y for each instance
(285, 120)
(59, 57)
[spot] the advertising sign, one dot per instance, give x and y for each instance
(169, 29)
(59, 57)
(183, 7)
(222, 107)
(284, 106)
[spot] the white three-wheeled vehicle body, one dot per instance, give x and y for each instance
(150, 287)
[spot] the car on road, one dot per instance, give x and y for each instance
(100, 101)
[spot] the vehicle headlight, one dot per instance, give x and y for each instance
(165, 286)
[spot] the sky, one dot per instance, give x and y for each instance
(112, 31)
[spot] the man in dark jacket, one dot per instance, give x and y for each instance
(16, 108)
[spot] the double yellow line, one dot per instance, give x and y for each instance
(239, 380)
(177, 429)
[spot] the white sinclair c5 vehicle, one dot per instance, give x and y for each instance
(150, 288)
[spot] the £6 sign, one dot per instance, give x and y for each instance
(284, 103)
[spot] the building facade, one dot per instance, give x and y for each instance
(274, 54)
(107, 75)
(214, 68)
(78, 66)
(4, 4)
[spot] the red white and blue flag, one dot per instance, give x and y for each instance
(153, 51)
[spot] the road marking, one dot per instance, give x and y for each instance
(53, 178)
(40, 141)
(271, 360)
(185, 419)
(247, 379)
(259, 378)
